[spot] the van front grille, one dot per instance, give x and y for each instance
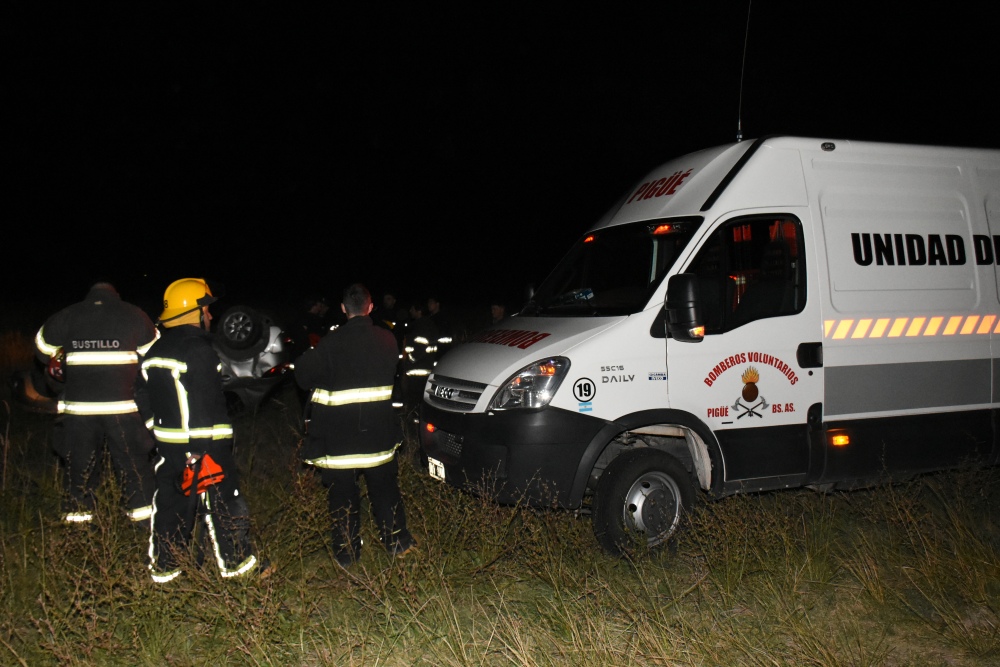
(453, 394)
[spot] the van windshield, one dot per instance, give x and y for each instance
(613, 271)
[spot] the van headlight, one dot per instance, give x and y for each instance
(533, 386)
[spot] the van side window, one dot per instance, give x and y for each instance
(750, 269)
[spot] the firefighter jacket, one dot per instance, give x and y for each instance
(420, 347)
(351, 374)
(183, 390)
(103, 339)
(446, 331)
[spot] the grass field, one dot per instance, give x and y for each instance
(907, 574)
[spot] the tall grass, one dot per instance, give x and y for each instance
(907, 574)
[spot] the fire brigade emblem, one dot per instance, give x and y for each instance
(750, 394)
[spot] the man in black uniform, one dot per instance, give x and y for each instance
(444, 324)
(316, 321)
(196, 472)
(391, 316)
(354, 429)
(101, 340)
(420, 350)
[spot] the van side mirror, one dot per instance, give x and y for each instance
(684, 319)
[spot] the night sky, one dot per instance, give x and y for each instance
(284, 152)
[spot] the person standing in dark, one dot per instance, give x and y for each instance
(391, 315)
(353, 429)
(317, 320)
(196, 472)
(101, 341)
(419, 354)
(498, 311)
(444, 324)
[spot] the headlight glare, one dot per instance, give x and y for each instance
(533, 386)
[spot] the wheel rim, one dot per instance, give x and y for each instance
(653, 506)
(238, 327)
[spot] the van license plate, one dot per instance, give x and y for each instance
(436, 468)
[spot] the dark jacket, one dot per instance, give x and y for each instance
(420, 346)
(198, 414)
(104, 339)
(351, 373)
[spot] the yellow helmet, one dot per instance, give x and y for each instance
(184, 296)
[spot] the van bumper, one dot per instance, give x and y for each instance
(513, 457)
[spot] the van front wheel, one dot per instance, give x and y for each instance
(641, 498)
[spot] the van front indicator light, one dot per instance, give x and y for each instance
(840, 439)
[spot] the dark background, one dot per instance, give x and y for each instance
(283, 151)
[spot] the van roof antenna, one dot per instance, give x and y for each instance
(739, 112)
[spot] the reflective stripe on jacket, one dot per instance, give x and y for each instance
(351, 461)
(351, 373)
(183, 388)
(345, 396)
(104, 339)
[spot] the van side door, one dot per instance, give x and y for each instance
(754, 375)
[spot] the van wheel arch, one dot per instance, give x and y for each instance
(677, 433)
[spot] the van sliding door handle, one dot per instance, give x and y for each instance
(810, 355)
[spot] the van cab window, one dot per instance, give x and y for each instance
(749, 269)
(613, 271)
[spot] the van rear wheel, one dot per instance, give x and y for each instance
(640, 499)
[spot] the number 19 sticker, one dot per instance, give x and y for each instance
(584, 391)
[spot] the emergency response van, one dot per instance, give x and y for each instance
(768, 314)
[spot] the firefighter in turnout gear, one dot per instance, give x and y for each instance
(420, 349)
(354, 430)
(96, 346)
(196, 475)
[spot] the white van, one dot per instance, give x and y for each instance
(768, 314)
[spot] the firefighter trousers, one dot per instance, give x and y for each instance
(384, 498)
(79, 440)
(221, 509)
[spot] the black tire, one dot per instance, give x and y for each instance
(641, 498)
(240, 327)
